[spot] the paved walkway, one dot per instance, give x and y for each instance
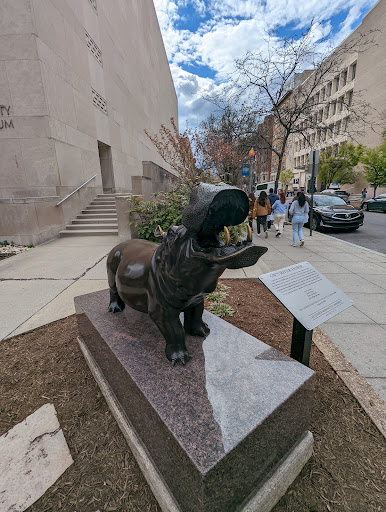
(38, 287)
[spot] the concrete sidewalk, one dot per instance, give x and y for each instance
(38, 287)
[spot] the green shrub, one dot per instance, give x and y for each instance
(164, 210)
(217, 296)
(221, 309)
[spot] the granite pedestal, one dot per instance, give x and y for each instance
(215, 435)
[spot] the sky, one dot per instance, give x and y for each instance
(204, 37)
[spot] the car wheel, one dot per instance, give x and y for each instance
(366, 207)
(315, 223)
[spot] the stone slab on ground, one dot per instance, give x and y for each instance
(215, 428)
(33, 455)
(19, 300)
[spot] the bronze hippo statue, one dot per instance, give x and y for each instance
(166, 279)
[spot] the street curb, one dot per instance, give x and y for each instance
(354, 245)
(371, 402)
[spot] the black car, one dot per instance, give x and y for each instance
(333, 212)
(377, 203)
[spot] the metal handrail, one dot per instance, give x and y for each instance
(69, 195)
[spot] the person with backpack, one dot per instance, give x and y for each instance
(261, 211)
(279, 209)
(299, 211)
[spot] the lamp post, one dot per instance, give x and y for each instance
(251, 156)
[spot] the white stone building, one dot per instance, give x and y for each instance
(80, 81)
(361, 74)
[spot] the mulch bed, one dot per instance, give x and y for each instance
(346, 473)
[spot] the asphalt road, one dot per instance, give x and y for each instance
(371, 235)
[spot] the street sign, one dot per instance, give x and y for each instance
(306, 293)
(314, 156)
(245, 170)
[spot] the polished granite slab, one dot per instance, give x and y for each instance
(214, 428)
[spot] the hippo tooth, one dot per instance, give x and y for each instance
(249, 237)
(227, 236)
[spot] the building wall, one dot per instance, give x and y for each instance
(75, 73)
(370, 70)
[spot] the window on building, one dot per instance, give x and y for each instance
(322, 94)
(341, 103)
(346, 124)
(317, 98)
(344, 78)
(326, 113)
(336, 83)
(329, 89)
(338, 127)
(333, 105)
(353, 71)
(349, 98)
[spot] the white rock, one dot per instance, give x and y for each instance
(33, 455)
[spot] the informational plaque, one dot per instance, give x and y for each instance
(306, 293)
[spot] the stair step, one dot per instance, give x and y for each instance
(76, 227)
(92, 215)
(103, 200)
(87, 220)
(99, 211)
(88, 232)
(100, 206)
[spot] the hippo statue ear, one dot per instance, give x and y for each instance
(244, 258)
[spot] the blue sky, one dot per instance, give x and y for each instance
(204, 37)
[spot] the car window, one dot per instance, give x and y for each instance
(382, 196)
(328, 201)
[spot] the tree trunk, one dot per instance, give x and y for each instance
(375, 188)
(278, 173)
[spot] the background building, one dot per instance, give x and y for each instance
(80, 80)
(361, 76)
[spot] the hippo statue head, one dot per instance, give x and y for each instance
(212, 208)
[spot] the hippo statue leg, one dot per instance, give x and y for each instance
(193, 323)
(116, 303)
(168, 322)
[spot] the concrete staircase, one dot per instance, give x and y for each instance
(98, 219)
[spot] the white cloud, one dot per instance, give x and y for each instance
(230, 28)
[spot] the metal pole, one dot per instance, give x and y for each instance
(312, 190)
(301, 343)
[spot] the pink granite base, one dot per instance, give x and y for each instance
(213, 429)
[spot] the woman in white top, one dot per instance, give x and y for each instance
(299, 210)
(279, 208)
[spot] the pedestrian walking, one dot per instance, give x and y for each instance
(299, 211)
(252, 200)
(272, 198)
(261, 211)
(364, 194)
(279, 209)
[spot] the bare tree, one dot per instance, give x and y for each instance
(291, 82)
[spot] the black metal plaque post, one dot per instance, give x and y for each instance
(301, 343)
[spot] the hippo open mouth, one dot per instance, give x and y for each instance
(211, 209)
